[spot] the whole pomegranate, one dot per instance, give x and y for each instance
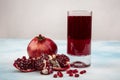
(41, 45)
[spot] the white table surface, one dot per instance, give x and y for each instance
(105, 61)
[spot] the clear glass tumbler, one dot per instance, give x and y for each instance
(79, 26)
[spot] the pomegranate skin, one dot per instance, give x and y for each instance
(41, 45)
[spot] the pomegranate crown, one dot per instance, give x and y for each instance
(40, 37)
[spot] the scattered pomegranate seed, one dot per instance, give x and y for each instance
(55, 75)
(59, 73)
(76, 75)
(75, 71)
(83, 71)
(71, 74)
(69, 71)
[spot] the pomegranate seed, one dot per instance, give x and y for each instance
(69, 71)
(75, 71)
(55, 75)
(71, 74)
(76, 75)
(18, 59)
(24, 58)
(83, 71)
(59, 73)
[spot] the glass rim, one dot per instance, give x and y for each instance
(79, 13)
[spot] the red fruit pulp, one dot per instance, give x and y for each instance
(63, 61)
(79, 35)
(24, 65)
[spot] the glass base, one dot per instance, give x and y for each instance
(79, 64)
(80, 61)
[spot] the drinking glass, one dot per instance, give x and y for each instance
(79, 26)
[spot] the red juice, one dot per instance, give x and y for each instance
(79, 35)
(79, 38)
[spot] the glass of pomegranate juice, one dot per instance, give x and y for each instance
(79, 26)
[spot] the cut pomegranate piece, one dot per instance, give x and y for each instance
(39, 64)
(43, 64)
(47, 68)
(60, 68)
(63, 60)
(60, 62)
(24, 65)
(41, 61)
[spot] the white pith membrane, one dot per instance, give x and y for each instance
(53, 61)
(55, 64)
(45, 70)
